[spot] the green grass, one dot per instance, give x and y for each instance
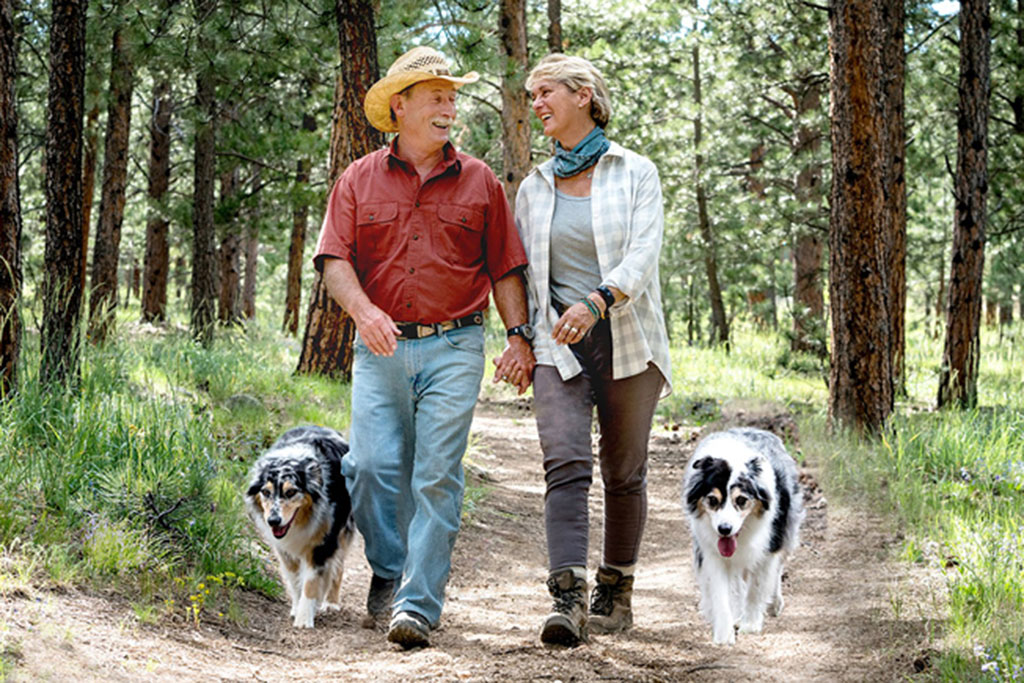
(135, 480)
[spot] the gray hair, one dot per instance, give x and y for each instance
(575, 73)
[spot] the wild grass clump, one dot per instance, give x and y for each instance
(134, 481)
(954, 483)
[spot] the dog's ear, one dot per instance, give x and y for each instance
(256, 481)
(314, 477)
(703, 463)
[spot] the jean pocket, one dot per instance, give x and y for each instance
(469, 339)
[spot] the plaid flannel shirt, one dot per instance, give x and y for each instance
(628, 221)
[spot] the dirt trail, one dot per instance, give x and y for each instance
(844, 618)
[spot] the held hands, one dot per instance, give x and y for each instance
(515, 364)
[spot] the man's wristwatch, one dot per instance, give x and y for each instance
(525, 331)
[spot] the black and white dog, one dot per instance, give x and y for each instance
(299, 503)
(745, 507)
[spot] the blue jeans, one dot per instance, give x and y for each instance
(411, 414)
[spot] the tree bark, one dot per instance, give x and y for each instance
(327, 342)
(10, 206)
(89, 179)
(297, 244)
(251, 243)
(251, 247)
(720, 324)
(555, 26)
(204, 247)
(958, 381)
(893, 70)
(154, 288)
(230, 253)
(106, 249)
(861, 382)
(515, 102)
(62, 281)
(808, 297)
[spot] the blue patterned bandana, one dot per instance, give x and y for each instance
(583, 155)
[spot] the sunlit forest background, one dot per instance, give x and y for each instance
(210, 133)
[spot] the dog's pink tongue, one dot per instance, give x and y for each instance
(727, 545)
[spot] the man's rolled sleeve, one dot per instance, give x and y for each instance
(505, 251)
(337, 234)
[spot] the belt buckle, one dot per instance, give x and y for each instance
(424, 331)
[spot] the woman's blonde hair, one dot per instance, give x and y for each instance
(575, 73)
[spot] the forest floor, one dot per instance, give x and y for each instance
(852, 612)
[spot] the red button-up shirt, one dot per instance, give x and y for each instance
(423, 251)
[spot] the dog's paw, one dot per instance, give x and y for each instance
(305, 612)
(724, 636)
(751, 624)
(776, 605)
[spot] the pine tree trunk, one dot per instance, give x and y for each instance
(861, 383)
(230, 253)
(154, 288)
(10, 206)
(89, 179)
(297, 244)
(251, 247)
(958, 381)
(515, 102)
(251, 242)
(555, 26)
(808, 296)
(60, 335)
(720, 324)
(204, 246)
(893, 70)
(103, 297)
(327, 342)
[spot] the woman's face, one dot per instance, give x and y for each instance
(561, 111)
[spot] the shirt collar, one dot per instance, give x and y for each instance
(451, 158)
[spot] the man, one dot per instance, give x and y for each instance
(413, 238)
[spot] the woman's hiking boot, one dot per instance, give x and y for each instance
(611, 607)
(567, 623)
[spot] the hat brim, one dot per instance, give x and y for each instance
(377, 104)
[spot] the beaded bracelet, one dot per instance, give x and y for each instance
(592, 307)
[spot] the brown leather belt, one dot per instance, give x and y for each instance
(419, 330)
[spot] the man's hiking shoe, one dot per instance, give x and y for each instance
(409, 630)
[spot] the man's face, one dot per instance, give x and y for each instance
(426, 112)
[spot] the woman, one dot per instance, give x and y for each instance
(591, 221)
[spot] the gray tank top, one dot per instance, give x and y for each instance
(574, 267)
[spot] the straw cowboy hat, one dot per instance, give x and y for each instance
(418, 64)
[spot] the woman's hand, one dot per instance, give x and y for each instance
(574, 324)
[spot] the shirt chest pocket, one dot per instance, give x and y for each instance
(376, 234)
(459, 234)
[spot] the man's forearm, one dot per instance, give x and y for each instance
(510, 299)
(343, 285)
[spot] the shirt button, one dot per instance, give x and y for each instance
(371, 216)
(409, 305)
(417, 205)
(463, 218)
(415, 237)
(412, 270)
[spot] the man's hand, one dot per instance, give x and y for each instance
(515, 364)
(377, 330)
